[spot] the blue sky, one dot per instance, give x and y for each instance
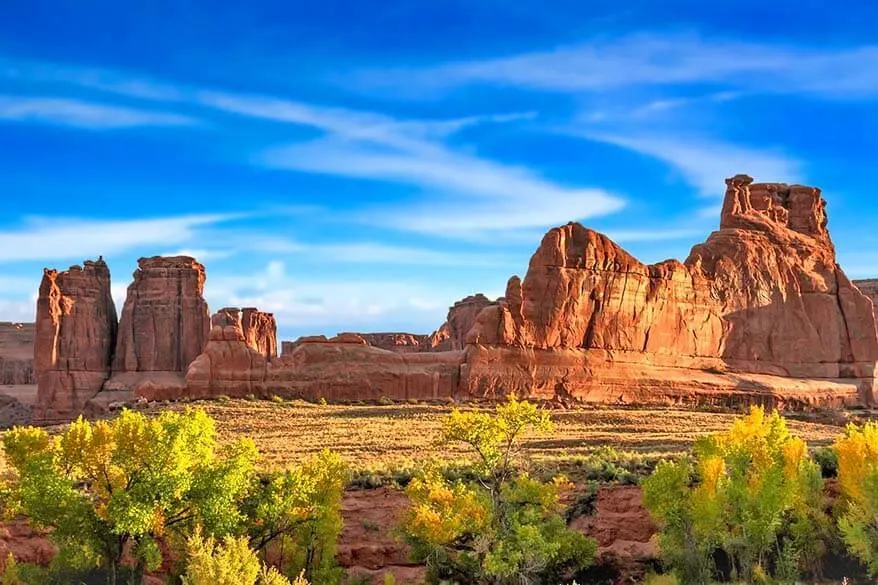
(360, 166)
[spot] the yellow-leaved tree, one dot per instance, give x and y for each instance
(110, 486)
(503, 527)
(857, 453)
(751, 492)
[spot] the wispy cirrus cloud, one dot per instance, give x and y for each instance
(704, 162)
(472, 196)
(84, 114)
(655, 59)
(75, 239)
(456, 193)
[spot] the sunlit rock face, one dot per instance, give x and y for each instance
(74, 338)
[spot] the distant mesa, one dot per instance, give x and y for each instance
(760, 312)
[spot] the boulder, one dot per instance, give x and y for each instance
(75, 333)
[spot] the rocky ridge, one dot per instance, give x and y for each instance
(759, 312)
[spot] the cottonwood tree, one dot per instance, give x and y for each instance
(108, 487)
(504, 527)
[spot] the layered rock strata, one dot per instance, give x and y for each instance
(164, 326)
(260, 331)
(74, 338)
(763, 297)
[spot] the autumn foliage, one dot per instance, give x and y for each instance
(120, 495)
(505, 527)
(857, 453)
(751, 493)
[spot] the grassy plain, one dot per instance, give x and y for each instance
(399, 436)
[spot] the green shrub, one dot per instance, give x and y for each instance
(505, 527)
(751, 492)
(11, 572)
(827, 459)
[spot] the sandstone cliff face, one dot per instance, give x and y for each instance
(165, 323)
(75, 335)
(343, 369)
(462, 317)
(763, 295)
(228, 366)
(260, 331)
(17, 354)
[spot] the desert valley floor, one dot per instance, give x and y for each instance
(394, 436)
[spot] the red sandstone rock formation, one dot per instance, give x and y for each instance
(260, 331)
(760, 312)
(165, 323)
(397, 342)
(462, 317)
(344, 369)
(75, 336)
(228, 366)
(762, 296)
(17, 354)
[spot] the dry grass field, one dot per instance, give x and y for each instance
(398, 436)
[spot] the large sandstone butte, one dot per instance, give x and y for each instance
(760, 312)
(74, 340)
(165, 323)
(761, 308)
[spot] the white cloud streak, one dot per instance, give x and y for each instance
(75, 239)
(704, 163)
(462, 194)
(84, 114)
(658, 60)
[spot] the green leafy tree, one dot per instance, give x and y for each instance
(751, 492)
(296, 517)
(107, 487)
(504, 528)
(857, 453)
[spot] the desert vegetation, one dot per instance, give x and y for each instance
(188, 495)
(137, 494)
